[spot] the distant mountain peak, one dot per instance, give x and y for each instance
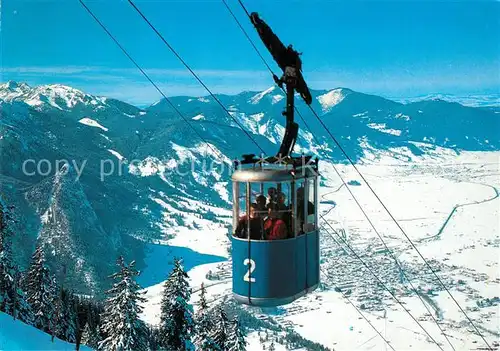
(13, 86)
(59, 89)
(332, 98)
(256, 98)
(10, 85)
(59, 96)
(474, 100)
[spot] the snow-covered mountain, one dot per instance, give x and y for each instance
(142, 198)
(473, 100)
(140, 175)
(41, 97)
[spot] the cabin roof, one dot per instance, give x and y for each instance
(262, 174)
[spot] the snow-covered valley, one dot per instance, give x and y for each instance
(448, 206)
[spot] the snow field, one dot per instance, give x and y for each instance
(15, 335)
(421, 196)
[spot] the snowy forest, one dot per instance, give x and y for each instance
(36, 298)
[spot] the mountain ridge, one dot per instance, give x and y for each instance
(487, 99)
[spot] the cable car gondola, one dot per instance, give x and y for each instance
(275, 242)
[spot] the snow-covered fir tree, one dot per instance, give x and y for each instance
(236, 340)
(20, 308)
(91, 336)
(65, 321)
(120, 323)
(154, 338)
(204, 325)
(7, 274)
(221, 330)
(40, 292)
(12, 297)
(176, 324)
(88, 317)
(55, 316)
(203, 309)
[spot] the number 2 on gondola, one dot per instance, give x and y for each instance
(250, 270)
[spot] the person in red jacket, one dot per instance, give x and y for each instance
(274, 227)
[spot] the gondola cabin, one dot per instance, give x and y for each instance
(275, 241)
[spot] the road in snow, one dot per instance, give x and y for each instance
(466, 204)
(465, 256)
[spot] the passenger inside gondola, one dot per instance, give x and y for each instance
(261, 206)
(281, 201)
(285, 212)
(274, 227)
(271, 217)
(271, 195)
(256, 225)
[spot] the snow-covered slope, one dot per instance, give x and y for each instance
(332, 98)
(447, 204)
(15, 335)
(90, 122)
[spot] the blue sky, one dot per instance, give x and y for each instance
(390, 48)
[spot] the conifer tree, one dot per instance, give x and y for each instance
(154, 338)
(120, 321)
(203, 309)
(6, 265)
(221, 331)
(176, 325)
(12, 297)
(204, 325)
(90, 312)
(236, 340)
(55, 303)
(65, 322)
(88, 317)
(91, 336)
(20, 308)
(40, 292)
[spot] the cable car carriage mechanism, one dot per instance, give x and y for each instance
(275, 241)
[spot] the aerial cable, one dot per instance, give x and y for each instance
(247, 36)
(149, 79)
(146, 75)
(194, 74)
(401, 229)
(244, 8)
(173, 106)
(385, 208)
(263, 60)
(338, 173)
(361, 313)
(358, 257)
(217, 100)
(390, 253)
